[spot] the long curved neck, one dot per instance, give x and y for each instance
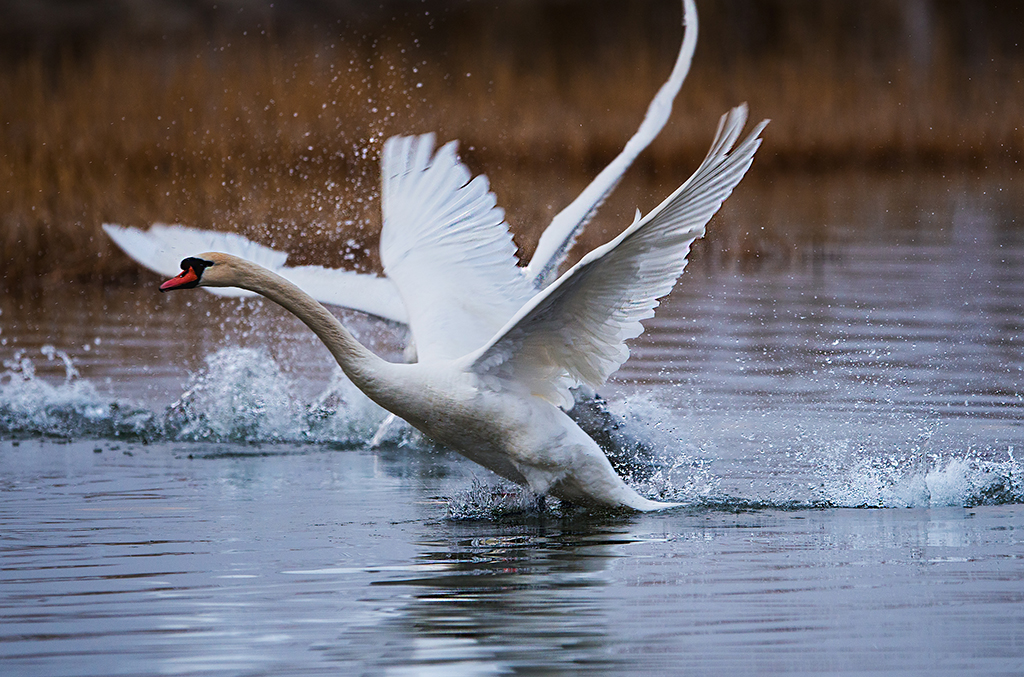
(361, 366)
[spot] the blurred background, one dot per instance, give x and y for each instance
(267, 118)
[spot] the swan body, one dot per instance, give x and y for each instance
(501, 404)
(526, 440)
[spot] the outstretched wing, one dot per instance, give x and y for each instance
(364, 292)
(162, 247)
(445, 245)
(559, 237)
(575, 330)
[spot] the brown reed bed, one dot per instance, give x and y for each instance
(274, 132)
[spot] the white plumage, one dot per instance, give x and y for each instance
(574, 331)
(162, 248)
(559, 237)
(445, 245)
(498, 405)
(499, 345)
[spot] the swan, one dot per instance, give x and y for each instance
(501, 405)
(424, 175)
(444, 182)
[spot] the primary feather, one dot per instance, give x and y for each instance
(445, 245)
(162, 248)
(574, 332)
(559, 237)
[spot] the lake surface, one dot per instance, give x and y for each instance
(186, 486)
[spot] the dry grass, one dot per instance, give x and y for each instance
(277, 137)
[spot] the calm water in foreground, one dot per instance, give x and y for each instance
(186, 488)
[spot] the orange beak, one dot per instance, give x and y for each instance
(187, 280)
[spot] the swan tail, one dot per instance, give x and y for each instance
(627, 497)
(641, 504)
(594, 482)
(619, 496)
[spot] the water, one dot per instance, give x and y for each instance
(300, 561)
(187, 489)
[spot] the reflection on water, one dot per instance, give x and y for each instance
(186, 486)
(286, 559)
(467, 586)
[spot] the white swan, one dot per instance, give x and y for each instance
(499, 404)
(414, 178)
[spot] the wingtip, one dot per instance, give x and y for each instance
(690, 24)
(740, 113)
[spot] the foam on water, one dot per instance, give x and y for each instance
(239, 395)
(243, 395)
(30, 406)
(909, 483)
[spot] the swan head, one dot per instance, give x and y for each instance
(212, 269)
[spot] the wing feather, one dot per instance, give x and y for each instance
(162, 247)
(447, 248)
(574, 331)
(559, 237)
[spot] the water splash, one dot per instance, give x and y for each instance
(661, 463)
(30, 406)
(240, 395)
(497, 500)
(243, 395)
(895, 482)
